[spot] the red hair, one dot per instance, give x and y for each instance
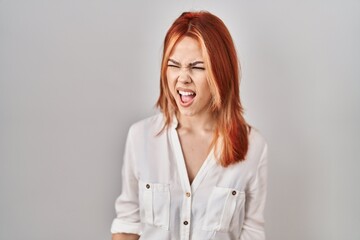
(223, 77)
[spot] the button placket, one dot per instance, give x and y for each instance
(186, 215)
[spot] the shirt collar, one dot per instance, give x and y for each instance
(174, 123)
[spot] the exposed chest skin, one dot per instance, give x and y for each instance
(195, 148)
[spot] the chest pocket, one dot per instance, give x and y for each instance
(155, 204)
(221, 206)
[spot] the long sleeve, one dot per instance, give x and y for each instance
(253, 228)
(127, 204)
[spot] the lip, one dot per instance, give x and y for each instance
(179, 98)
(184, 89)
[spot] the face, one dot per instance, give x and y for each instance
(186, 76)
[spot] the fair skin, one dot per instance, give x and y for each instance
(187, 82)
(125, 236)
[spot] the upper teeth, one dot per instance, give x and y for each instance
(186, 93)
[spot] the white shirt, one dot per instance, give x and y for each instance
(159, 203)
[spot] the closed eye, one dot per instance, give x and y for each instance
(198, 68)
(172, 65)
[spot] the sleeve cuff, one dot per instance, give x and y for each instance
(119, 226)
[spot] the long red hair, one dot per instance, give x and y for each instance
(223, 77)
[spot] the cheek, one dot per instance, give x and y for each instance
(171, 76)
(204, 85)
(170, 83)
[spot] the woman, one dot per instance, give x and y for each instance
(197, 170)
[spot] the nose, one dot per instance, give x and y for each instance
(184, 76)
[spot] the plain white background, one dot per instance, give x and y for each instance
(75, 74)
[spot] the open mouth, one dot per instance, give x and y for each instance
(186, 96)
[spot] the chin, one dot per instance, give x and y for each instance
(186, 112)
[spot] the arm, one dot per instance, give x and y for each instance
(125, 236)
(253, 228)
(126, 225)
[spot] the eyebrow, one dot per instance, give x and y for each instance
(190, 64)
(173, 61)
(196, 63)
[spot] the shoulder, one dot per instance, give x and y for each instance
(256, 137)
(258, 144)
(151, 125)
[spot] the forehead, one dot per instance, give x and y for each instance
(187, 49)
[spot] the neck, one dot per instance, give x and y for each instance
(199, 123)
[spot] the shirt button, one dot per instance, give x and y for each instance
(188, 194)
(186, 222)
(147, 186)
(234, 193)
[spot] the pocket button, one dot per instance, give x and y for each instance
(234, 193)
(147, 186)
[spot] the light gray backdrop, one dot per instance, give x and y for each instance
(74, 75)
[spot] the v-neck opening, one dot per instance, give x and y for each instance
(184, 175)
(200, 175)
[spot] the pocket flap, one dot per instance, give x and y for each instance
(221, 207)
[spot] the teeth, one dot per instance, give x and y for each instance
(186, 93)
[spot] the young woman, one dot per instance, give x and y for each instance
(197, 170)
